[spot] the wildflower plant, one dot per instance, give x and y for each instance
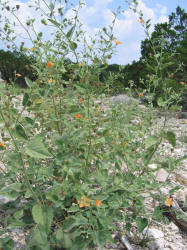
(72, 168)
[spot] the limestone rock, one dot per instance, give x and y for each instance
(181, 195)
(157, 237)
(3, 200)
(123, 99)
(181, 177)
(162, 175)
(152, 166)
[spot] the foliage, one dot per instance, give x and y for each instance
(12, 63)
(75, 167)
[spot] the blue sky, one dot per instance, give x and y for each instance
(97, 13)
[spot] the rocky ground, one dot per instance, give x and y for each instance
(163, 237)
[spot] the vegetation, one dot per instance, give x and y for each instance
(11, 63)
(74, 167)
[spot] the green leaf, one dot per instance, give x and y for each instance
(73, 45)
(160, 102)
(141, 223)
(39, 239)
(25, 99)
(12, 187)
(100, 238)
(74, 222)
(64, 239)
(28, 82)
(54, 22)
(20, 132)
(35, 148)
(37, 214)
(29, 120)
(18, 214)
(13, 159)
(158, 214)
(150, 141)
(51, 6)
(43, 216)
(170, 137)
(69, 34)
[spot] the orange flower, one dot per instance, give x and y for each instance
(141, 20)
(2, 145)
(118, 42)
(111, 89)
(84, 202)
(168, 202)
(141, 95)
(18, 75)
(98, 203)
(182, 83)
(81, 100)
(49, 64)
(80, 64)
(139, 123)
(32, 49)
(78, 116)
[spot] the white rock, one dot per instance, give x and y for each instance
(157, 237)
(123, 99)
(162, 175)
(152, 166)
(181, 177)
(172, 227)
(3, 200)
(181, 195)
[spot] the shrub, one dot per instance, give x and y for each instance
(79, 165)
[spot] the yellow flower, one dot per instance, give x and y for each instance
(18, 75)
(80, 64)
(50, 80)
(126, 144)
(118, 42)
(38, 101)
(185, 121)
(168, 202)
(32, 49)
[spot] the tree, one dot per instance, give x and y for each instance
(173, 32)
